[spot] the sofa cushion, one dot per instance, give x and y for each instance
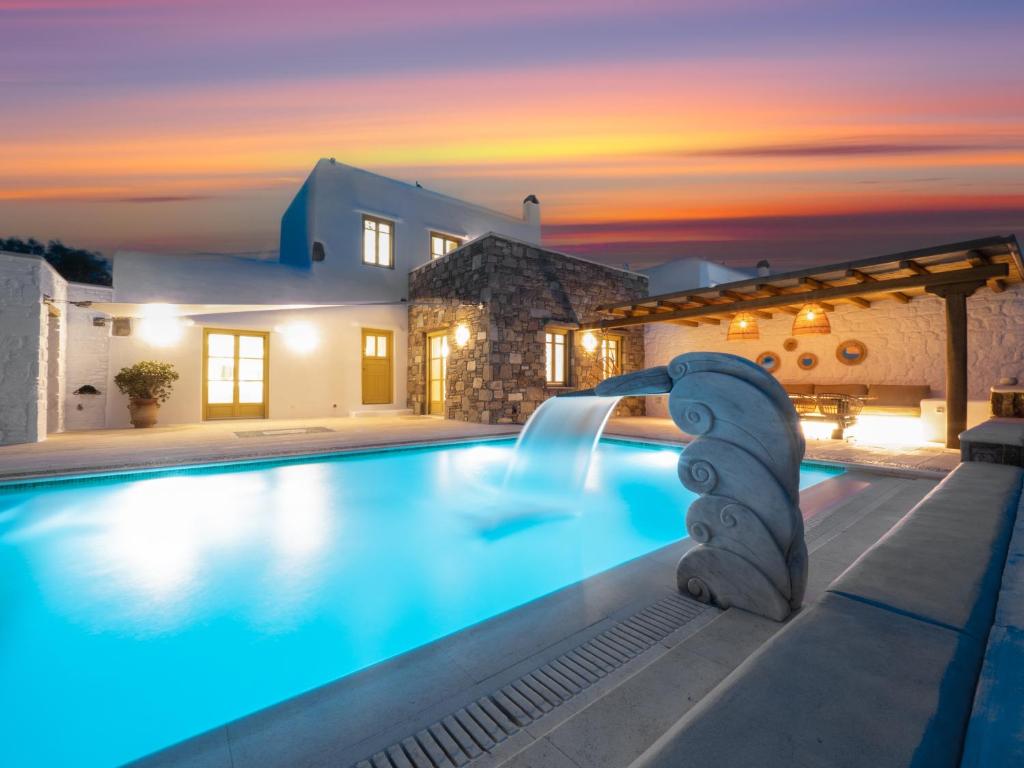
(870, 409)
(799, 389)
(899, 395)
(856, 390)
(845, 684)
(943, 562)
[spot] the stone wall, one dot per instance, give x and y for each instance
(88, 358)
(508, 294)
(32, 347)
(906, 344)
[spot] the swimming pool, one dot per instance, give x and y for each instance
(141, 609)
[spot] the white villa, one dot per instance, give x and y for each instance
(388, 297)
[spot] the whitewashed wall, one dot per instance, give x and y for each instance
(329, 208)
(88, 358)
(906, 344)
(25, 355)
(324, 382)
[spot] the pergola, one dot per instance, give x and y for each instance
(952, 272)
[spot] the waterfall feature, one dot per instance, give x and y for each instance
(554, 450)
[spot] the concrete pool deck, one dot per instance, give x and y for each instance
(113, 449)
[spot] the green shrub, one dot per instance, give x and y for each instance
(148, 380)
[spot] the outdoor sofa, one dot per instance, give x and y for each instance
(879, 399)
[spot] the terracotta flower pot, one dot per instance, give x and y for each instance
(144, 412)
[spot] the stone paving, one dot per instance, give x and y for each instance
(929, 460)
(111, 449)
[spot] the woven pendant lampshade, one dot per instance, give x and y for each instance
(743, 327)
(811, 319)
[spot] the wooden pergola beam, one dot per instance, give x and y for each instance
(991, 271)
(864, 277)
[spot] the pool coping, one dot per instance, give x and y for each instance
(47, 477)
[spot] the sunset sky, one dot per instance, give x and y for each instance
(797, 130)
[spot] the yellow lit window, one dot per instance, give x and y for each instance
(378, 241)
(611, 356)
(375, 345)
(555, 353)
(442, 244)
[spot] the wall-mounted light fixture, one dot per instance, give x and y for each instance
(589, 341)
(461, 334)
(299, 336)
(160, 326)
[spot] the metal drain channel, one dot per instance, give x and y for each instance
(476, 729)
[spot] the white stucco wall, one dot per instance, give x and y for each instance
(683, 274)
(25, 348)
(329, 208)
(88, 358)
(326, 381)
(906, 344)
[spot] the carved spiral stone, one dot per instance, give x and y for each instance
(699, 532)
(728, 515)
(699, 476)
(677, 369)
(697, 419)
(698, 589)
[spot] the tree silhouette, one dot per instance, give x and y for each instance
(75, 264)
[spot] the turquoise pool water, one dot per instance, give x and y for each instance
(139, 610)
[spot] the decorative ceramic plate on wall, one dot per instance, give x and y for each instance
(806, 360)
(790, 344)
(851, 352)
(769, 361)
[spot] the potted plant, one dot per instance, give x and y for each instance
(147, 384)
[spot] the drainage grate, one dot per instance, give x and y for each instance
(285, 431)
(476, 729)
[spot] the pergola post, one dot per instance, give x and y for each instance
(955, 297)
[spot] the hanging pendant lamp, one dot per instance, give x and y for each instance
(810, 320)
(743, 327)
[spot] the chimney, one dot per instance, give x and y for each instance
(763, 268)
(531, 210)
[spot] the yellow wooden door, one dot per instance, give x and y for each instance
(377, 366)
(437, 371)
(236, 367)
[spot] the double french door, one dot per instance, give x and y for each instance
(236, 366)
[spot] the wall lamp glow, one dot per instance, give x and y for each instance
(589, 341)
(461, 335)
(300, 337)
(160, 326)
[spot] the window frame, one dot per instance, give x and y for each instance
(459, 242)
(550, 350)
(378, 220)
(617, 341)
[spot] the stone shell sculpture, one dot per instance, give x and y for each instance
(745, 463)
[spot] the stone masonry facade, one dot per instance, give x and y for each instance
(509, 295)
